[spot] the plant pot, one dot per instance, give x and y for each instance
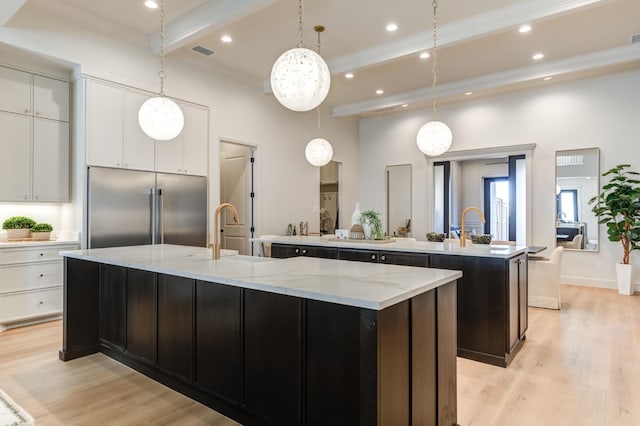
(41, 236)
(623, 276)
(18, 234)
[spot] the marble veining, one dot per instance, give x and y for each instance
(366, 285)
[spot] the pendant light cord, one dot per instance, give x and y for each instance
(162, 74)
(318, 29)
(300, 13)
(434, 67)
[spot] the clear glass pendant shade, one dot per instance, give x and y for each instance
(161, 118)
(300, 79)
(318, 152)
(434, 138)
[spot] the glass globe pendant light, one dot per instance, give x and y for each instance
(434, 138)
(160, 118)
(318, 151)
(300, 78)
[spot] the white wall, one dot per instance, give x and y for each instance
(595, 112)
(287, 186)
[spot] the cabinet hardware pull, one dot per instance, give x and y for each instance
(383, 257)
(41, 254)
(41, 302)
(373, 257)
(297, 251)
(304, 252)
(41, 275)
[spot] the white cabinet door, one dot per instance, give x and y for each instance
(169, 155)
(50, 161)
(50, 98)
(15, 146)
(104, 119)
(15, 87)
(139, 149)
(195, 141)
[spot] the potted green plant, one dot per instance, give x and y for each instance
(371, 225)
(18, 227)
(41, 231)
(618, 207)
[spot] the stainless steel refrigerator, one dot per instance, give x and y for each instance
(130, 207)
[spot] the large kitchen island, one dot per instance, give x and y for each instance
(298, 341)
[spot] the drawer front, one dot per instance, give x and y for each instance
(30, 276)
(21, 306)
(35, 254)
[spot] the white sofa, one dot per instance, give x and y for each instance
(544, 280)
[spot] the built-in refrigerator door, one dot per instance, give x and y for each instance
(182, 209)
(120, 207)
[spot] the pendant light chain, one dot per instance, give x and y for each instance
(162, 74)
(300, 13)
(434, 67)
(319, 29)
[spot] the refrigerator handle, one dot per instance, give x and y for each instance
(152, 216)
(159, 218)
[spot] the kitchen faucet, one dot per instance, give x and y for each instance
(216, 232)
(463, 233)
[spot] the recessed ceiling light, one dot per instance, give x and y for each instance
(226, 39)
(404, 105)
(425, 55)
(468, 93)
(348, 75)
(524, 29)
(392, 27)
(547, 78)
(151, 4)
(537, 56)
(379, 92)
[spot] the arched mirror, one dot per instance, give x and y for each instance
(398, 200)
(577, 181)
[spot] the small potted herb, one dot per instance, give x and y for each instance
(18, 227)
(371, 225)
(41, 231)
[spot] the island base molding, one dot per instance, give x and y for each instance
(262, 358)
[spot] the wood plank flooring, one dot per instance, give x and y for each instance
(579, 366)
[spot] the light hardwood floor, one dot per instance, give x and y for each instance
(579, 366)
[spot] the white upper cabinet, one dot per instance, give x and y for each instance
(114, 137)
(104, 124)
(50, 176)
(35, 95)
(15, 145)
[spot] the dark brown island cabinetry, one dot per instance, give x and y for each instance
(492, 295)
(264, 358)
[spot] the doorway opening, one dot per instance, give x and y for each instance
(496, 207)
(237, 163)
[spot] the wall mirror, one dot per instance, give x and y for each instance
(398, 179)
(577, 181)
(329, 197)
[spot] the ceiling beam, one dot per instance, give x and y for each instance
(8, 8)
(590, 61)
(203, 20)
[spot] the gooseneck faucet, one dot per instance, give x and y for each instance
(216, 232)
(463, 234)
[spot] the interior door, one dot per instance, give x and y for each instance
(235, 188)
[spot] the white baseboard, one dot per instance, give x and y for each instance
(596, 283)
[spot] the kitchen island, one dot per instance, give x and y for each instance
(301, 341)
(492, 293)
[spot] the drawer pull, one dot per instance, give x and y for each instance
(383, 257)
(41, 302)
(41, 254)
(373, 257)
(297, 251)
(304, 251)
(41, 275)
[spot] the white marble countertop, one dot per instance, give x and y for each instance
(366, 285)
(479, 250)
(36, 243)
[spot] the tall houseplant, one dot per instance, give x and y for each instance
(618, 207)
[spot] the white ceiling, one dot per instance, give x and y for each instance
(480, 49)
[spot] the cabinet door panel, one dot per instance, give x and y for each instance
(138, 148)
(141, 313)
(50, 98)
(523, 277)
(195, 140)
(406, 259)
(15, 87)
(15, 145)
(514, 310)
(272, 356)
(358, 255)
(283, 251)
(218, 310)
(169, 155)
(50, 161)
(112, 309)
(175, 325)
(104, 116)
